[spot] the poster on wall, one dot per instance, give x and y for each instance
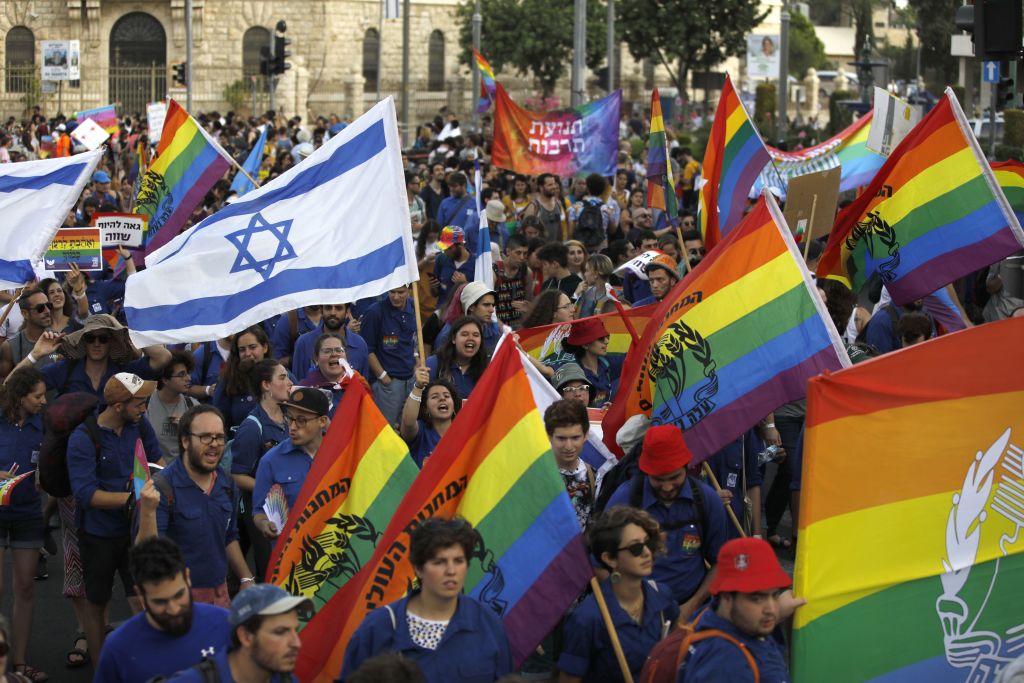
(61, 60)
(762, 56)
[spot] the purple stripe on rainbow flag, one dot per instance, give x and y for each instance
(968, 258)
(196, 192)
(737, 181)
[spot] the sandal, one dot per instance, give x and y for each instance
(78, 657)
(31, 673)
(779, 543)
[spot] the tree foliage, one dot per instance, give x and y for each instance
(531, 37)
(805, 49)
(685, 35)
(934, 26)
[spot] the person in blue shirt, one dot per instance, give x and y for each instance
(750, 602)
(662, 276)
(738, 473)
(451, 636)
(459, 208)
(289, 328)
(22, 399)
(265, 641)
(478, 300)
(288, 462)
(389, 328)
(173, 631)
(332, 373)
(335, 319)
(588, 343)
(624, 541)
(100, 479)
(195, 506)
(462, 359)
(233, 396)
(455, 265)
(688, 511)
(209, 358)
(427, 414)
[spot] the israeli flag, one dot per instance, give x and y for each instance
(333, 229)
(35, 198)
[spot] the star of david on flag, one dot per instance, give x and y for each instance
(332, 229)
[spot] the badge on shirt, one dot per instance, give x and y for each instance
(389, 340)
(691, 541)
(97, 307)
(35, 457)
(730, 481)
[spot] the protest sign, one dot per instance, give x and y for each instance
(79, 246)
(811, 203)
(90, 134)
(125, 229)
(156, 112)
(893, 120)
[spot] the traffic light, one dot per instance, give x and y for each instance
(266, 61)
(281, 49)
(1004, 93)
(995, 27)
(180, 74)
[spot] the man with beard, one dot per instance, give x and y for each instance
(172, 632)
(334, 319)
(264, 640)
(190, 504)
(548, 209)
(693, 247)
(662, 276)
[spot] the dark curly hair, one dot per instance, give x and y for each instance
(436, 534)
(456, 399)
(18, 385)
(605, 533)
(236, 379)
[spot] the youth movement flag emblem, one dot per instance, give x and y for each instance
(333, 228)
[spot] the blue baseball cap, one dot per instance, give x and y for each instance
(100, 177)
(265, 599)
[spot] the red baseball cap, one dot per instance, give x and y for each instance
(664, 451)
(748, 565)
(585, 331)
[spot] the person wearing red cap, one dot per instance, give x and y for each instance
(688, 510)
(750, 601)
(588, 343)
(662, 275)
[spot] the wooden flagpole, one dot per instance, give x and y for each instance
(612, 633)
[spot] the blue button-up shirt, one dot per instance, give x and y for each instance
(460, 211)
(717, 659)
(213, 371)
(473, 649)
(67, 376)
(251, 440)
(356, 352)
(728, 466)
(464, 384)
(445, 269)
(682, 567)
(492, 333)
(281, 341)
(110, 470)
(21, 445)
(284, 464)
(220, 660)
(390, 334)
(588, 652)
(202, 524)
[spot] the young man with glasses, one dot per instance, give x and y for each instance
(36, 310)
(170, 401)
(193, 503)
(288, 462)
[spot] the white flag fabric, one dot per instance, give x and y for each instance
(332, 229)
(35, 198)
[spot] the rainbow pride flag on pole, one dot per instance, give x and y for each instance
(911, 554)
(105, 116)
(545, 342)
(734, 157)
(735, 339)
(495, 469)
(357, 479)
(661, 187)
(488, 83)
(1010, 176)
(932, 214)
(188, 164)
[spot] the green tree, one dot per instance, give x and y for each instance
(934, 26)
(684, 34)
(805, 49)
(532, 37)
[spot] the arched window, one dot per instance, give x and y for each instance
(435, 62)
(138, 62)
(371, 59)
(254, 40)
(20, 50)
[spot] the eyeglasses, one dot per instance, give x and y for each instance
(39, 308)
(299, 422)
(569, 305)
(207, 439)
(96, 338)
(180, 375)
(337, 351)
(576, 390)
(637, 549)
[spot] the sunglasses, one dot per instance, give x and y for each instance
(96, 338)
(637, 549)
(39, 308)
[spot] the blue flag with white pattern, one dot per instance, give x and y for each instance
(334, 228)
(241, 184)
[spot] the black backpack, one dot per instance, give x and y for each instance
(62, 417)
(590, 226)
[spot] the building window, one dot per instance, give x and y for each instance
(254, 40)
(371, 57)
(435, 62)
(20, 59)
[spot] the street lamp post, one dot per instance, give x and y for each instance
(477, 21)
(783, 70)
(579, 51)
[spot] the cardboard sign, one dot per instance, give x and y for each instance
(124, 229)
(80, 246)
(156, 112)
(90, 134)
(893, 119)
(811, 203)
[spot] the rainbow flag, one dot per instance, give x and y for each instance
(584, 139)
(7, 487)
(911, 514)
(545, 342)
(106, 117)
(661, 193)
(188, 163)
(1010, 176)
(488, 83)
(932, 214)
(735, 339)
(733, 159)
(140, 469)
(495, 469)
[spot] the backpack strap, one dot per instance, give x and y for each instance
(697, 636)
(702, 516)
(636, 490)
(209, 348)
(209, 671)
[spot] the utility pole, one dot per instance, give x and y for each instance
(783, 70)
(406, 141)
(579, 52)
(188, 55)
(380, 50)
(478, 19)
(271, 77)
(611, 46)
